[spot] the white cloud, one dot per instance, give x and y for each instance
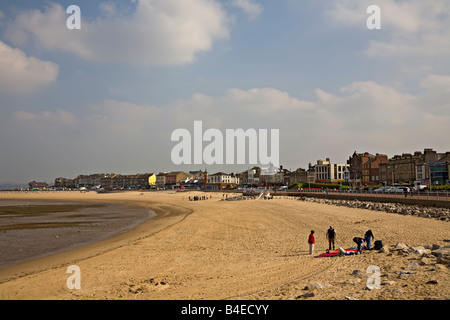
(159, 32)
(435, 99)
(361, 108)
(413, 27)
(253, 10)
(123, 117)
(59, 117)
(438, 82)
(362, 115)
(24, 74)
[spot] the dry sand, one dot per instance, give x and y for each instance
(250, 249)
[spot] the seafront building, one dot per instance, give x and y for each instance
(440, 170)
(355, 163)
(173, 178)
(371, 169)
(361, 170)
(65, 183)
(161, 179)
(221, 180)
(414, 169)
(250, 177)
(107, 180)
(37, 185)
(327, 172)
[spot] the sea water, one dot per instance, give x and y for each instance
(30, 229)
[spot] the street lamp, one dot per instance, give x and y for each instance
(429, 175)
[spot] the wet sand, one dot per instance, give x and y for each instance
(34, 228)
(250, 249)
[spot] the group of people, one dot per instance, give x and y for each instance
(362, 243)
(197, 198)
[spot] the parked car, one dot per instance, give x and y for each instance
(383, 189)
(399, 189)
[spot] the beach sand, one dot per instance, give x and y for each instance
(250, 249)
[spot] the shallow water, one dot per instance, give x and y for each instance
(31, 229)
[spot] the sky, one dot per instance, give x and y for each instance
(108, 96)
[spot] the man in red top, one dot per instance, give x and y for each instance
(311, 242)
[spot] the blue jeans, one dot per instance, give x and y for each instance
(367, 239)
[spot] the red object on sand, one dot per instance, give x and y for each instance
(335, 253)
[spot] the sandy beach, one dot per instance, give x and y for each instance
(250, 249)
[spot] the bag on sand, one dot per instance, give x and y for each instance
(378, 245)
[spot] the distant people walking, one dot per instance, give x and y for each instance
(331, 236)
(311, 242)
(368, 236)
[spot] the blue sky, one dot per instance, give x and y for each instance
(107, 97)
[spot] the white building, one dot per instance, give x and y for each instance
(252, 176)
(223, 178)
(325, 171)
(272, 175)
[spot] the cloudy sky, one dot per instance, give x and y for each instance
(107, 97)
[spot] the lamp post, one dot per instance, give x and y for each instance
(429, 175)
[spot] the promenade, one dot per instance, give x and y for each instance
(425, 198)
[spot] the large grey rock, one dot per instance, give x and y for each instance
(317, 285)
(412, 266)
(442, 255)
(418, 250)
(306, 295)
(401, 246)
(425, 212)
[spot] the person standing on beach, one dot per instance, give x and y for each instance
(311, 242)
(367, 237)
(331, 236)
